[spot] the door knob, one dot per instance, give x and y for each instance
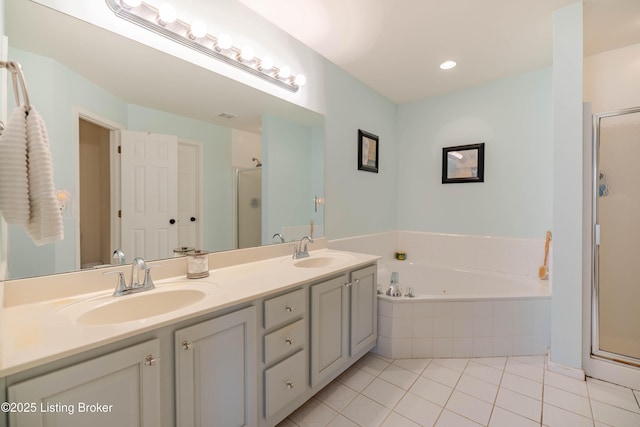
(172, 221)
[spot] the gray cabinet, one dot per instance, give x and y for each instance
(216, 367)
(364, 310)
(329, 327)
(343, 321)
(118, 389)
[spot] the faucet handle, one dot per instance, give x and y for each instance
(148, 282)
(121, 287)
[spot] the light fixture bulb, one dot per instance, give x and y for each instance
(131, 3)
(167, 14)
(300, 80)
(447, 65)
(198, 29)
(266, 63)
(224, 41)
(247, 53)
(284, 72)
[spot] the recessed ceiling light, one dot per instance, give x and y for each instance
(447, 65)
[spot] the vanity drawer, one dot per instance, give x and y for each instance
(284, 382)
(284, 308)
(283, 341)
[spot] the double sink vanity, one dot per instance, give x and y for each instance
(244, 346)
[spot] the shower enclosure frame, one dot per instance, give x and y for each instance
(595, 351)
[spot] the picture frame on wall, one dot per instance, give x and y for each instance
(368, 151)
(463, 163)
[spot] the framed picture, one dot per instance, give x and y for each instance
(463, 163)
(368, 151)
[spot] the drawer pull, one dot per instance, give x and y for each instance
(289, 308)
(151, 361)
(290, 385)
(186, 345)
(289, 341)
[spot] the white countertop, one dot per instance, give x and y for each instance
(43, 331)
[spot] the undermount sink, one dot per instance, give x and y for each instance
(333, 260)
(107, 310)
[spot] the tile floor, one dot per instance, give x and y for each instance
(495, 392)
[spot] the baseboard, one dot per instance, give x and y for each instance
(567, 371)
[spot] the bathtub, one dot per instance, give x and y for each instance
(461, 313)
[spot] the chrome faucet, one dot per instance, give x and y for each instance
(118, 255)
(301, 250)
(134, 285)
(279, 236)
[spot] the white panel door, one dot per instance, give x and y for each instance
(149, 194)
(188, 195)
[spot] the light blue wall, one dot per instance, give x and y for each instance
(287, 152)
(512, 116)
(566, 305)
(358, 202)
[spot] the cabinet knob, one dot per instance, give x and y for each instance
(289, 341)
(357, 281)
(289, 308)
(151, 361)
(290, 385)
(186, 345)
(348, 285)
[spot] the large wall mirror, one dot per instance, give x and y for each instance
(243, 165)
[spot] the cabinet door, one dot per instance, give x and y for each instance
(329, 327)
(216, 372)
(118, 389)
(364, 309)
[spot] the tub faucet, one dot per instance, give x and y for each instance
(301, 251)
(394, 288)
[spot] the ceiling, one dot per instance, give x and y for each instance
(394, 50)
(396, 46)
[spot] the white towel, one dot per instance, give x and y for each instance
(14, 185)
(45, 219)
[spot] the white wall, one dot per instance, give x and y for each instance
(512, 116)
(566, 306)
(612, 79)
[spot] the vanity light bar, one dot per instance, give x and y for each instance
(147, 16)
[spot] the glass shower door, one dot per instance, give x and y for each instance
(617, 236)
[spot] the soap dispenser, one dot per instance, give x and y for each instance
(394, 288)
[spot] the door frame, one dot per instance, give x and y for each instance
(114, 128)
(597, 364)
(200, 193)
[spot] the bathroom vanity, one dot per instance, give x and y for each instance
(251, 343)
